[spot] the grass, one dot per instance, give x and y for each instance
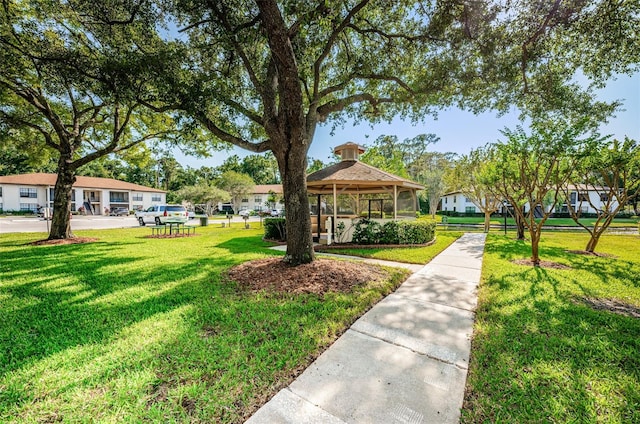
(132, 329)
(560, 222)
(412, 255)
(539, 353)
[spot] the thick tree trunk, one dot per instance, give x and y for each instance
(60, 223)
(297, 211)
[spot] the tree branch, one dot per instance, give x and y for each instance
(330, 42)
(338, 105)
(225, 136)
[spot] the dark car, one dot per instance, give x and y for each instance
(119, 212)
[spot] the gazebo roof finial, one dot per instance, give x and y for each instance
(349, 151)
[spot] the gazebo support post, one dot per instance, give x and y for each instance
(319, 215)
(335, 209)
(395, 202)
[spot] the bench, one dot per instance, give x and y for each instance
(155, 229)
(187, 229)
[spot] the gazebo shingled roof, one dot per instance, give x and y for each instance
(353, 176)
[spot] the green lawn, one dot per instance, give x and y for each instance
(132, 329)
(540, 353)
(412, 255)
(560, 222)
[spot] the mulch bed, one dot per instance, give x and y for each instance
(584, 252)
(54, 242)
(319, 277)
(612, 305)
(542, 264)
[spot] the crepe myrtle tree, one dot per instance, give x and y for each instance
(610, 171)
(263, 74)
(529, 170)
(468, 177)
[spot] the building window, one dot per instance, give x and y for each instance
(28, 192)
(118, 197)
(572, 197)
(583, 197)
(466, 199)
(33, 207)
(446, 200)
(604, 197)
(245, 200)
(156, 198)
(137, 197)
(454, 199)
(470, 209)
(257, 200)
(0, 191)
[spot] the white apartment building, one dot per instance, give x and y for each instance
(257, 201)
(30, 192)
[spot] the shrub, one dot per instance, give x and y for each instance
(389, 233)
(416, 232)
(275, 229)
(366, 231)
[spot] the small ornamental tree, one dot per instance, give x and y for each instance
(609, 171)
(238, 186)
(530, 169)
(468, 176)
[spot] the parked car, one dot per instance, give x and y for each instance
(275, 212)
(119, 212)
(160, 213)
(245, 212)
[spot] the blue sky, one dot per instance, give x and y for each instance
(459, 131)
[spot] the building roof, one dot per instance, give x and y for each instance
(266, 188)
(357, 175)
(42, 179)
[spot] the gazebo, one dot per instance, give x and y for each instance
(353, 189)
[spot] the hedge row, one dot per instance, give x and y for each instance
(367, 231)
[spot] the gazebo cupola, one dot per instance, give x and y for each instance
(349, 151)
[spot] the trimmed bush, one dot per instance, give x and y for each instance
(416, 232)
(367, 231)
(275, 229)
(390, 233)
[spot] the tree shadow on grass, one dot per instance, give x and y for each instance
(57, 297)
(543, 356)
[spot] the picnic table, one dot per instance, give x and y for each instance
(176, 226)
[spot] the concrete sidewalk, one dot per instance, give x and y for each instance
(404, 361)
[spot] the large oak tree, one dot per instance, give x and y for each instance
(263, 74)
(68, 95)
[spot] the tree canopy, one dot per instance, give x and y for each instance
(262, 74)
